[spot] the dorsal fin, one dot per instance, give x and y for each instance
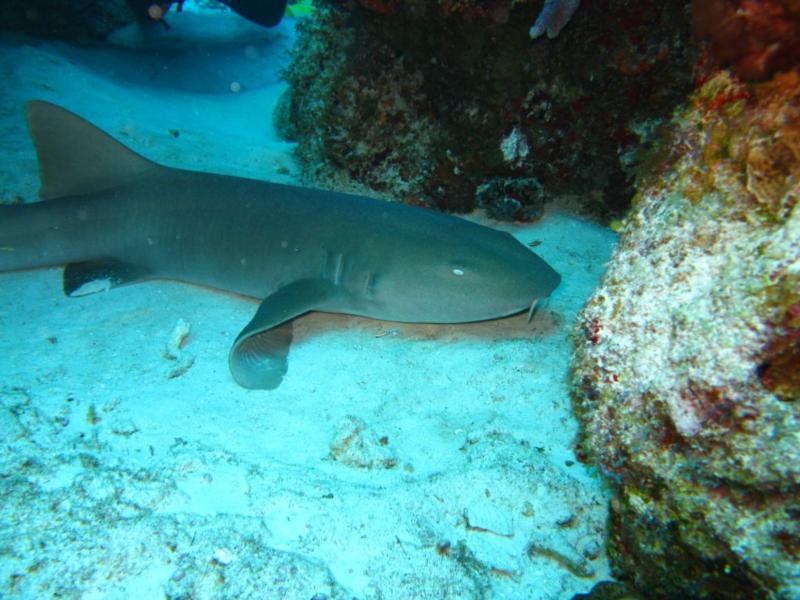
(75, 157)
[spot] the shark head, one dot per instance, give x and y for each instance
(467, 272)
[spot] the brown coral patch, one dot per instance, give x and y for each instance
(770, 178)
(715, 408)
(790, 542)
(773, 157)
(780, 368)
(780, 373)
(756, 38)
(749, 147)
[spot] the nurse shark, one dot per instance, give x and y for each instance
(113, 217)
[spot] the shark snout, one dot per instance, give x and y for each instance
(544, 280)
(551, 280)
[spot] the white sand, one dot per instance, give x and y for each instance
(128, 474)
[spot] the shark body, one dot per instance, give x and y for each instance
(111, 215)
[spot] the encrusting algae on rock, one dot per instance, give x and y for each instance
(687, 356)
(452, 105)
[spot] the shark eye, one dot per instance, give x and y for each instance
(458, 272)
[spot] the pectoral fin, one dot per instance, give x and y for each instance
(258, 356)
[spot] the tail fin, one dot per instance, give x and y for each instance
(75, 157)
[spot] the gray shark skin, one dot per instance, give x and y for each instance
(111, 215)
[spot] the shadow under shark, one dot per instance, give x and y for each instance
(114, 217)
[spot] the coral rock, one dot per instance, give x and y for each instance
(426, 101)
(687, 358)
